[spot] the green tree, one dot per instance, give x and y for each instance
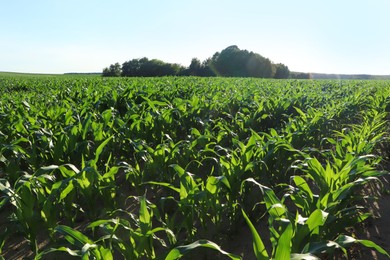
(282, 71)
(149, 68)
(198, 68)
(113, 71)
(195, 67)
(131, 68)
(206, 69)
(259, 67)
(233, 62)
(230, 62)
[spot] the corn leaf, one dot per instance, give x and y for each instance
(179, 251)
(258, 245)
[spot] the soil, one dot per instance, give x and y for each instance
(377, 228)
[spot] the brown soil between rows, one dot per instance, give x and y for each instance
(377, 229)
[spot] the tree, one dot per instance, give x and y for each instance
(259, 67)
(198, 68)
(113, 71)
(233, 62)
(149, 68)
(195, 67)
(230, 62)
(206, 69)
(282, 71)
(131, 68)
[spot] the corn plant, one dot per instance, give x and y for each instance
(297, 236)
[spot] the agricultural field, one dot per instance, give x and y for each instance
(171, 167)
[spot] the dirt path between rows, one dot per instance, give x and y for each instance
(377, 228)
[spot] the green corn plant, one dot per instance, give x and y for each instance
(133, 237)
(115, 235)
(338, 191)
(198, 201)
(360, 139)
(187, 192)
(298, 236)
(281, 228)
(25, 199)
(61, 194)
(83, 246)
(242, 162)
(14, 156)
(78, 192)
(35, 209)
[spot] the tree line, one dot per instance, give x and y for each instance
(230, 62)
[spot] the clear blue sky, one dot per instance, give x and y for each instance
(60, 36)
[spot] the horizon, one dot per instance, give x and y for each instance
(100, 72)
(327, 38)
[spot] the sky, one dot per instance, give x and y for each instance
(59, 36)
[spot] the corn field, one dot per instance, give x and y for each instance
(169, 168)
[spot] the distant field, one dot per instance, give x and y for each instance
(144, 168)
(19, 74)
(349, 76)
